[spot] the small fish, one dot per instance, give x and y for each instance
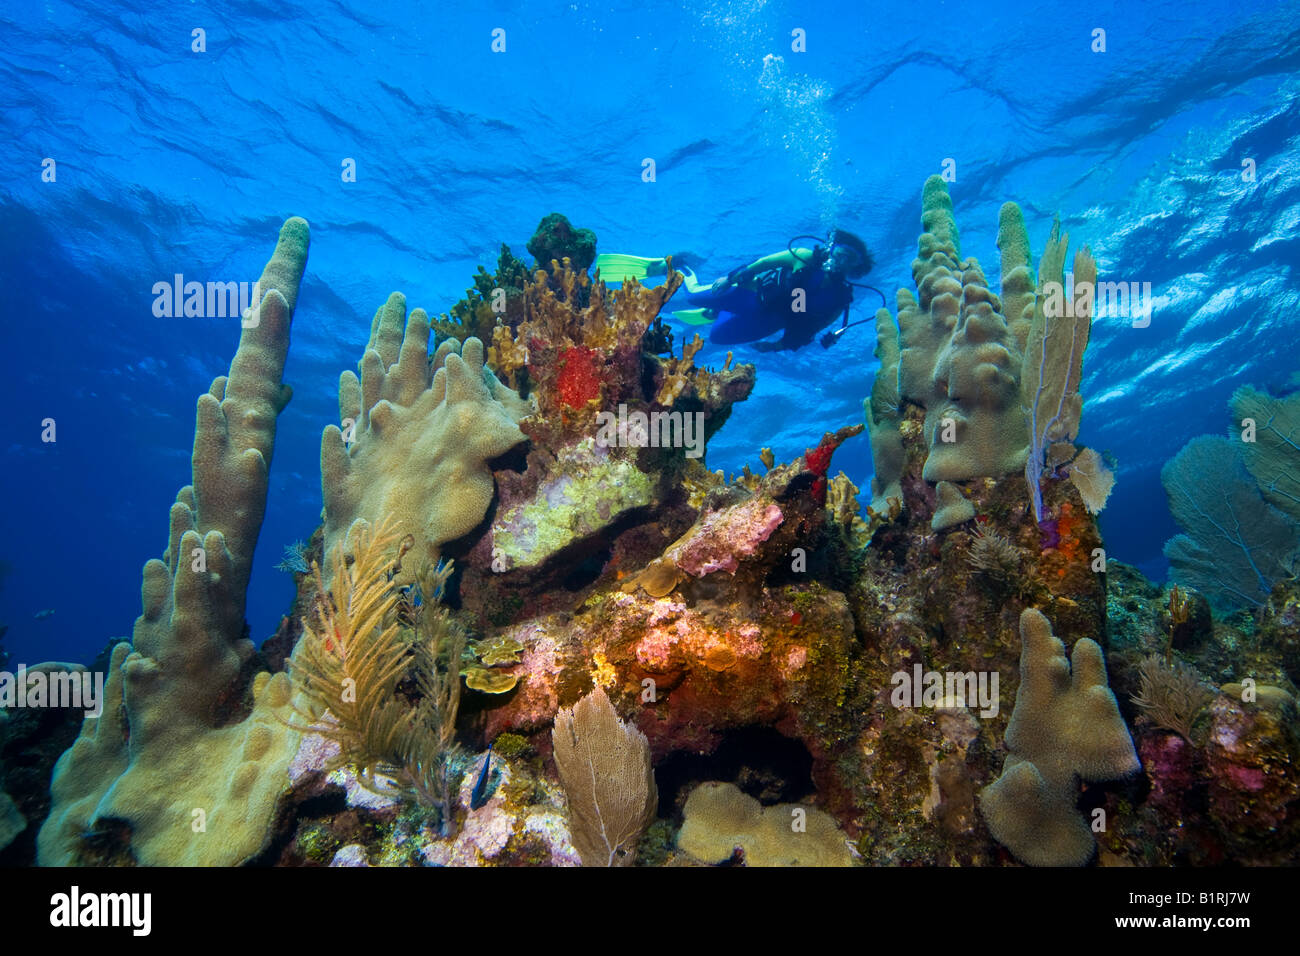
(48, 612)
(478, 796)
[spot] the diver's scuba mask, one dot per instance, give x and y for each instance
(840, 258)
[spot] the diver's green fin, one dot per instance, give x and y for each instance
(694, 316)
(615, 267)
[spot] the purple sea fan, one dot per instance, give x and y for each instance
(1053, 365)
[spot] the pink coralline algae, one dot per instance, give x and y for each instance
(748, 641)
(1253, 781)
(709, 670)
(534, 701)
(655, 650)
(664, 610)
(721, 538)
(688, 638)
(795, 659)
(315, 755)
(499, 831)
(1169, 761)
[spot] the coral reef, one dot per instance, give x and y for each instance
(528, 509)
(178, 753)
(1066, 725)
(1251, 758)
(1222, 785)
(339, 822)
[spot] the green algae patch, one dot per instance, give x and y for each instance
(588, 495)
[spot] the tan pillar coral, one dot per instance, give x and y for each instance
(951, 507)
(194, 787)
(1018, 286)
(422, 435)
(960, 358)
(882, 414)
(924, 327)
(1065, 725)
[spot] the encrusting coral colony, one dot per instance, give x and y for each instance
(530, 608)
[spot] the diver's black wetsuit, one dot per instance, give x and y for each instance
(762, 306)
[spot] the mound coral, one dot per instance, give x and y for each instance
(720, 819)
(196, 780)
(1066, 725)
(951, 507)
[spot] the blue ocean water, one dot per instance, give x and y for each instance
(174, 161)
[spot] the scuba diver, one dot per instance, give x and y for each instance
(797, 292)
